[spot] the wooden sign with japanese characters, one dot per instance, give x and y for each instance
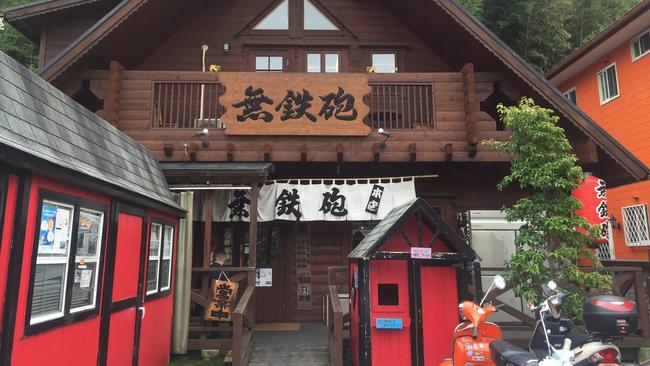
(295, 104)
(222, 301)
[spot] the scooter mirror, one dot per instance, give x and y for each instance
(499, 282)
(551, 285)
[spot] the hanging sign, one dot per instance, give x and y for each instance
(222, 301)
(314, 202)
(593, 196)
(303, 268)
(294, 104)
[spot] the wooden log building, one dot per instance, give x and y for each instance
(250, 100)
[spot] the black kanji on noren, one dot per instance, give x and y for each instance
(295, 105)
(601, 190)
(252, 105)
(238, 205)
(375, 199)
(287, 203)
(340, 105)
(334, 203)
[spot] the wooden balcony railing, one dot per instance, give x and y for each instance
(404, 101)
(401, 106)
(186, 104)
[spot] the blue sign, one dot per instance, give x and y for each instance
(388, 323)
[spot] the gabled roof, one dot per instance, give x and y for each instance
(621, 31)
(452, 25)
(397, 217)
(29, 18)
(40, 123)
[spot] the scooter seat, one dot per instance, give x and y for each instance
(507, 354)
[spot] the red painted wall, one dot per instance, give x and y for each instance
(5, 240)
(156, 327)
(390, 347)
(626, 118)
(127, 257)
(439, 312)
(52, 347)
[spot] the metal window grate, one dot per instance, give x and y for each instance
(635, 225)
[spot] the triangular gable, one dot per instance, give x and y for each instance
(458, 21)
(396, 221)
(279, 16)
(315, 19)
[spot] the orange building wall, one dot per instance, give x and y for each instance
(626, 118)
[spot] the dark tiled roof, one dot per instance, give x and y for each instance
(395, 219)
(40, 120)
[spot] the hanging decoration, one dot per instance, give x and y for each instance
(314, 200)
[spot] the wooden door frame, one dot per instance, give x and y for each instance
(107, 305)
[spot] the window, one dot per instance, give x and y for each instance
(608, 84)
(315, 19)
(641, 45)
(159, 263)
(384, 62)
(388, 294)
(269, 63)
(323, 62)
(635, 225)
(571, 96)
(277, 19)
(68, 251)
(89, 234)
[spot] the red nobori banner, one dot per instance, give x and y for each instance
(593, 196)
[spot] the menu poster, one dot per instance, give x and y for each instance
(55, 230)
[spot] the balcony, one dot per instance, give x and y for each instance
(431, 117)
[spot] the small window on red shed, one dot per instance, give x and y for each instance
(388, 294)
(159, 265)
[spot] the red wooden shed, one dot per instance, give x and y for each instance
(88, 233)
(405, 283)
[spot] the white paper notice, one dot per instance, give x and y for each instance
(420, 253)
(264, 277)
(86, 275)
(61, 231)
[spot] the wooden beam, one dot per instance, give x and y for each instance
(469, 97)
(412, 152)
(230, 150)
(586, 151)
(267, 152)
(339, 153)
(191, 150)
(449, 152)
(303, 153)
(376, 149)
(113, 90)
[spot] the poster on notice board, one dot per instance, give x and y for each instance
(55, 230)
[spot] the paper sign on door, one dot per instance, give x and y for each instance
(420, 253)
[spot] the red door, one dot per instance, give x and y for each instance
(439, 296)
(124, 322)
(390, 305)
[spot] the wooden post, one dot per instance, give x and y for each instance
(112, 105)
(207, 236)
(252, 233)
(469, 94)
(642, 305)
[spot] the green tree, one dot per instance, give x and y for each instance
(14, 43)
(554, 237)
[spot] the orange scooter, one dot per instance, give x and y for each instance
(472, 337)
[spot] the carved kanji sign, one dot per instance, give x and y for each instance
(295, 104)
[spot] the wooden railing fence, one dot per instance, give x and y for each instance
(337, 278)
